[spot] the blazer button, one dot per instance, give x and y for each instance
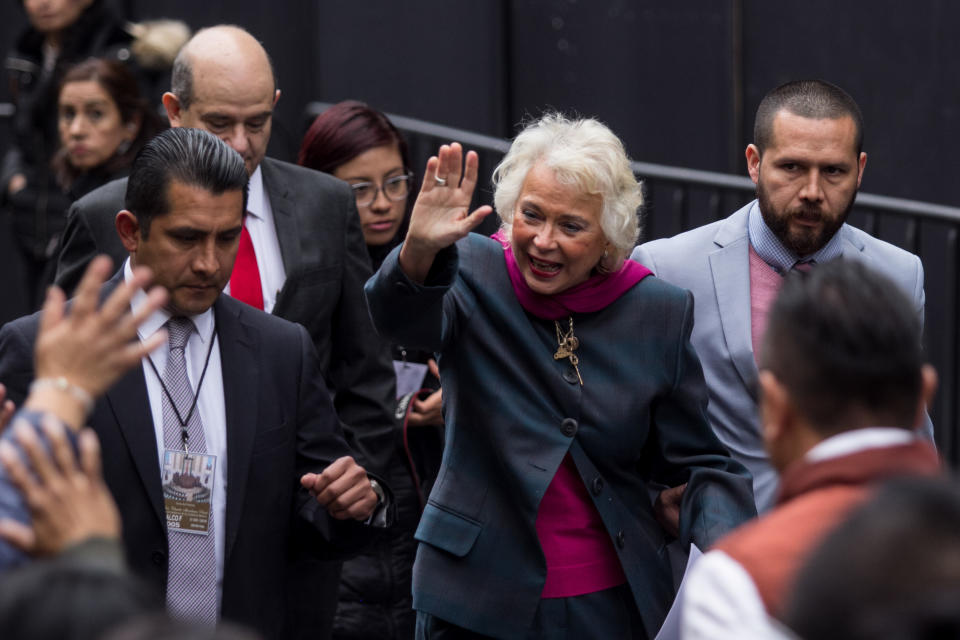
(570, 375)
(620, 539)
(568, 427)
(597, 486)
(159, 558)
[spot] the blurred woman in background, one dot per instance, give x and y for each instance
(102, 121)
(58, 35)
(362, 147)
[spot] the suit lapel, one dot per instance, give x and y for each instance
(128, 402)
(851, 247)
(131, 408)
(730, 268)
(238, 358)
(288, 232)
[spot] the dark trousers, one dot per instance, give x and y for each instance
(611, 613)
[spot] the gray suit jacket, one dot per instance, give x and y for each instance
(326, 262)
(713, 263)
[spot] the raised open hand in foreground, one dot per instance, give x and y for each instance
(79, 354)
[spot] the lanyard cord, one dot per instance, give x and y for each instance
(184, 421)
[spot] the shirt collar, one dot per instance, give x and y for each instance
(771, 250)
(849, 442)
(255, 195)
(202, 322)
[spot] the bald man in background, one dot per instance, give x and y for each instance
(309, 258)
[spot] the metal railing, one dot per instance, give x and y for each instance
(679, 199)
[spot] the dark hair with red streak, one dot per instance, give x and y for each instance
(344, 131)
(340, 134)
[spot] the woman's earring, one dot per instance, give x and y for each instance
(123, 147)
(601, 267)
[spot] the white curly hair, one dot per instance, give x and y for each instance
(584, 153)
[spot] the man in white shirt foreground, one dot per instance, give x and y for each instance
(843, 388)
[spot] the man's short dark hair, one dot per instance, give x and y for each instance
(891, 571)
(845, 341)
(815, 99)
(70, 596)
(181, 76)
(190, 156)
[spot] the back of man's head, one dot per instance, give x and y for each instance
(891, 571)
(815, 99)
(844, 342)
(189, 156)
(70, 597)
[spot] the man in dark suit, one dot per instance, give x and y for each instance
(304, 231)
(253, 409)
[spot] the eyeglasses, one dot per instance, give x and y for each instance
(395, 189)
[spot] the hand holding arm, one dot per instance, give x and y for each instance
(667, 509)
(428, 411)
(441, 213)
(343, 488)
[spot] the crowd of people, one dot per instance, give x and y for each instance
(306, 401)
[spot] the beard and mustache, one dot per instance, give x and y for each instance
(802, 240)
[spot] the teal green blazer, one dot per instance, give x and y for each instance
(512, 413)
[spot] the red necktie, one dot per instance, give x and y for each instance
(245, 279)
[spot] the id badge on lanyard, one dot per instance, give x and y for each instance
(187, 480)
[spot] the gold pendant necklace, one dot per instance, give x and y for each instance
(567, 344)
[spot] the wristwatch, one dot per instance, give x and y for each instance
(377, 489)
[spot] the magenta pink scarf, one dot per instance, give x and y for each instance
(593, 295)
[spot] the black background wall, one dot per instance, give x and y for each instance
(679, 81)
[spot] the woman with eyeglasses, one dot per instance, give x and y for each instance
(361, 146)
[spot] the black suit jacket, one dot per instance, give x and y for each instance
(280, 424)
(326, 264)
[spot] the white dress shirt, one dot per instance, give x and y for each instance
(721, 599)
(263, 235)
(210, 403)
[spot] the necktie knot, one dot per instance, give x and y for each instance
(179, 330)
(803, 265)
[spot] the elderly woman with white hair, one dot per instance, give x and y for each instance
(572, 396)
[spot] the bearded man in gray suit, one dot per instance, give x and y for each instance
(807, 162)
